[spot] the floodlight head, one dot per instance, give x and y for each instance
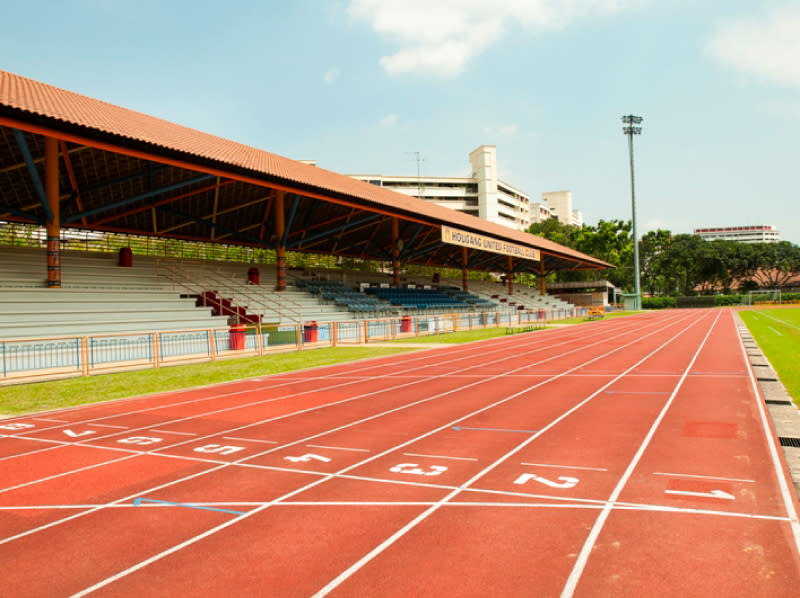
(630, 119)
(632, 130)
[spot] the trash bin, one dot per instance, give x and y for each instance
(252, 276)
(310, 331)
(125, 257)
(237, 333)
(405, 324)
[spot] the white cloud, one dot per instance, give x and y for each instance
(502, 130)
(767, 46)
(441, 36)
(389, 120)
(331, 75)
(507, 130)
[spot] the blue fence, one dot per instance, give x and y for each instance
(49, 354)
(30, 358)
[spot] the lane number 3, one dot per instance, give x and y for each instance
(414, 469)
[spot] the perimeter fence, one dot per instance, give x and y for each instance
(23, 360)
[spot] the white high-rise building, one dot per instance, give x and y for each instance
(743, 234)
(483, 194)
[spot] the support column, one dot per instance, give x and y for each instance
(464, 272)
(395, 252)
(542, 284)
(510, 275)
(54, 226)
(280, 248)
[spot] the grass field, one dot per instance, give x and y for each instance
(454, 337)
(43, 396)
(777, 332)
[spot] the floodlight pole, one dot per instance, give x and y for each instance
(630, 130)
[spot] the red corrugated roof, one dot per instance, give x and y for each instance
(34, 97)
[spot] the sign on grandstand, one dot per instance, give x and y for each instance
(454, 236)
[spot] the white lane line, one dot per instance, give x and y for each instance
(703, 477)
(275, 501)
(591, 540)
(330, 476)
(339, 448)
(380, 548)
(249, 439)
(43, 419)
(771, 440)
(287, 445)
(564, 466)
(440, 457)
(565, 503)
(107, 426)
(498, 346)
(775, 331)
(171, 432)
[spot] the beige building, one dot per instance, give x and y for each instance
(560, 204)
(483, 194)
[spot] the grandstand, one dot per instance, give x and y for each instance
(99, 296)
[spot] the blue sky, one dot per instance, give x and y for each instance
(360, 85)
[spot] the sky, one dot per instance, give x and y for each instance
(366, 86)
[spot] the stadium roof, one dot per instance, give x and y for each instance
(127, 172)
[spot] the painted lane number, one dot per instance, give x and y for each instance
(308, 457)
(143, 440)
(710, 494)
(73, 434)
(16, 426)
(563, 483)
(219, 449)
(414, 469)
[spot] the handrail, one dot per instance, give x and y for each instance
(229, 288)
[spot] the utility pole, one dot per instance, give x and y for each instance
(630, 130)
(419, 160)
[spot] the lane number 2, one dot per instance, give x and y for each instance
(564, 481)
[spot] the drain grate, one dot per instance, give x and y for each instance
(767, 379)
(777, 402)
(786, 441)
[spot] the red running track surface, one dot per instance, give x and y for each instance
(627, 457)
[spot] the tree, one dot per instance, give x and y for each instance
(779, 263)
(653, 244)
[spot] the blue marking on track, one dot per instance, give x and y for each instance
(459, 428)
(138, 501)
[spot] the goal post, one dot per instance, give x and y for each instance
(764, 296)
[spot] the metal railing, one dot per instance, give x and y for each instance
(227, 287)
(84, 355)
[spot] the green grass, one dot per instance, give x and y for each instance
(464, 336)
(45, 396)
(777, 332)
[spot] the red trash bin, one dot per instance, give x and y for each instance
(405, 324)
(125, 257)
(237, 333)
(310, 332)
(252, 276)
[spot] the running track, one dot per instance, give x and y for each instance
(627, 457)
